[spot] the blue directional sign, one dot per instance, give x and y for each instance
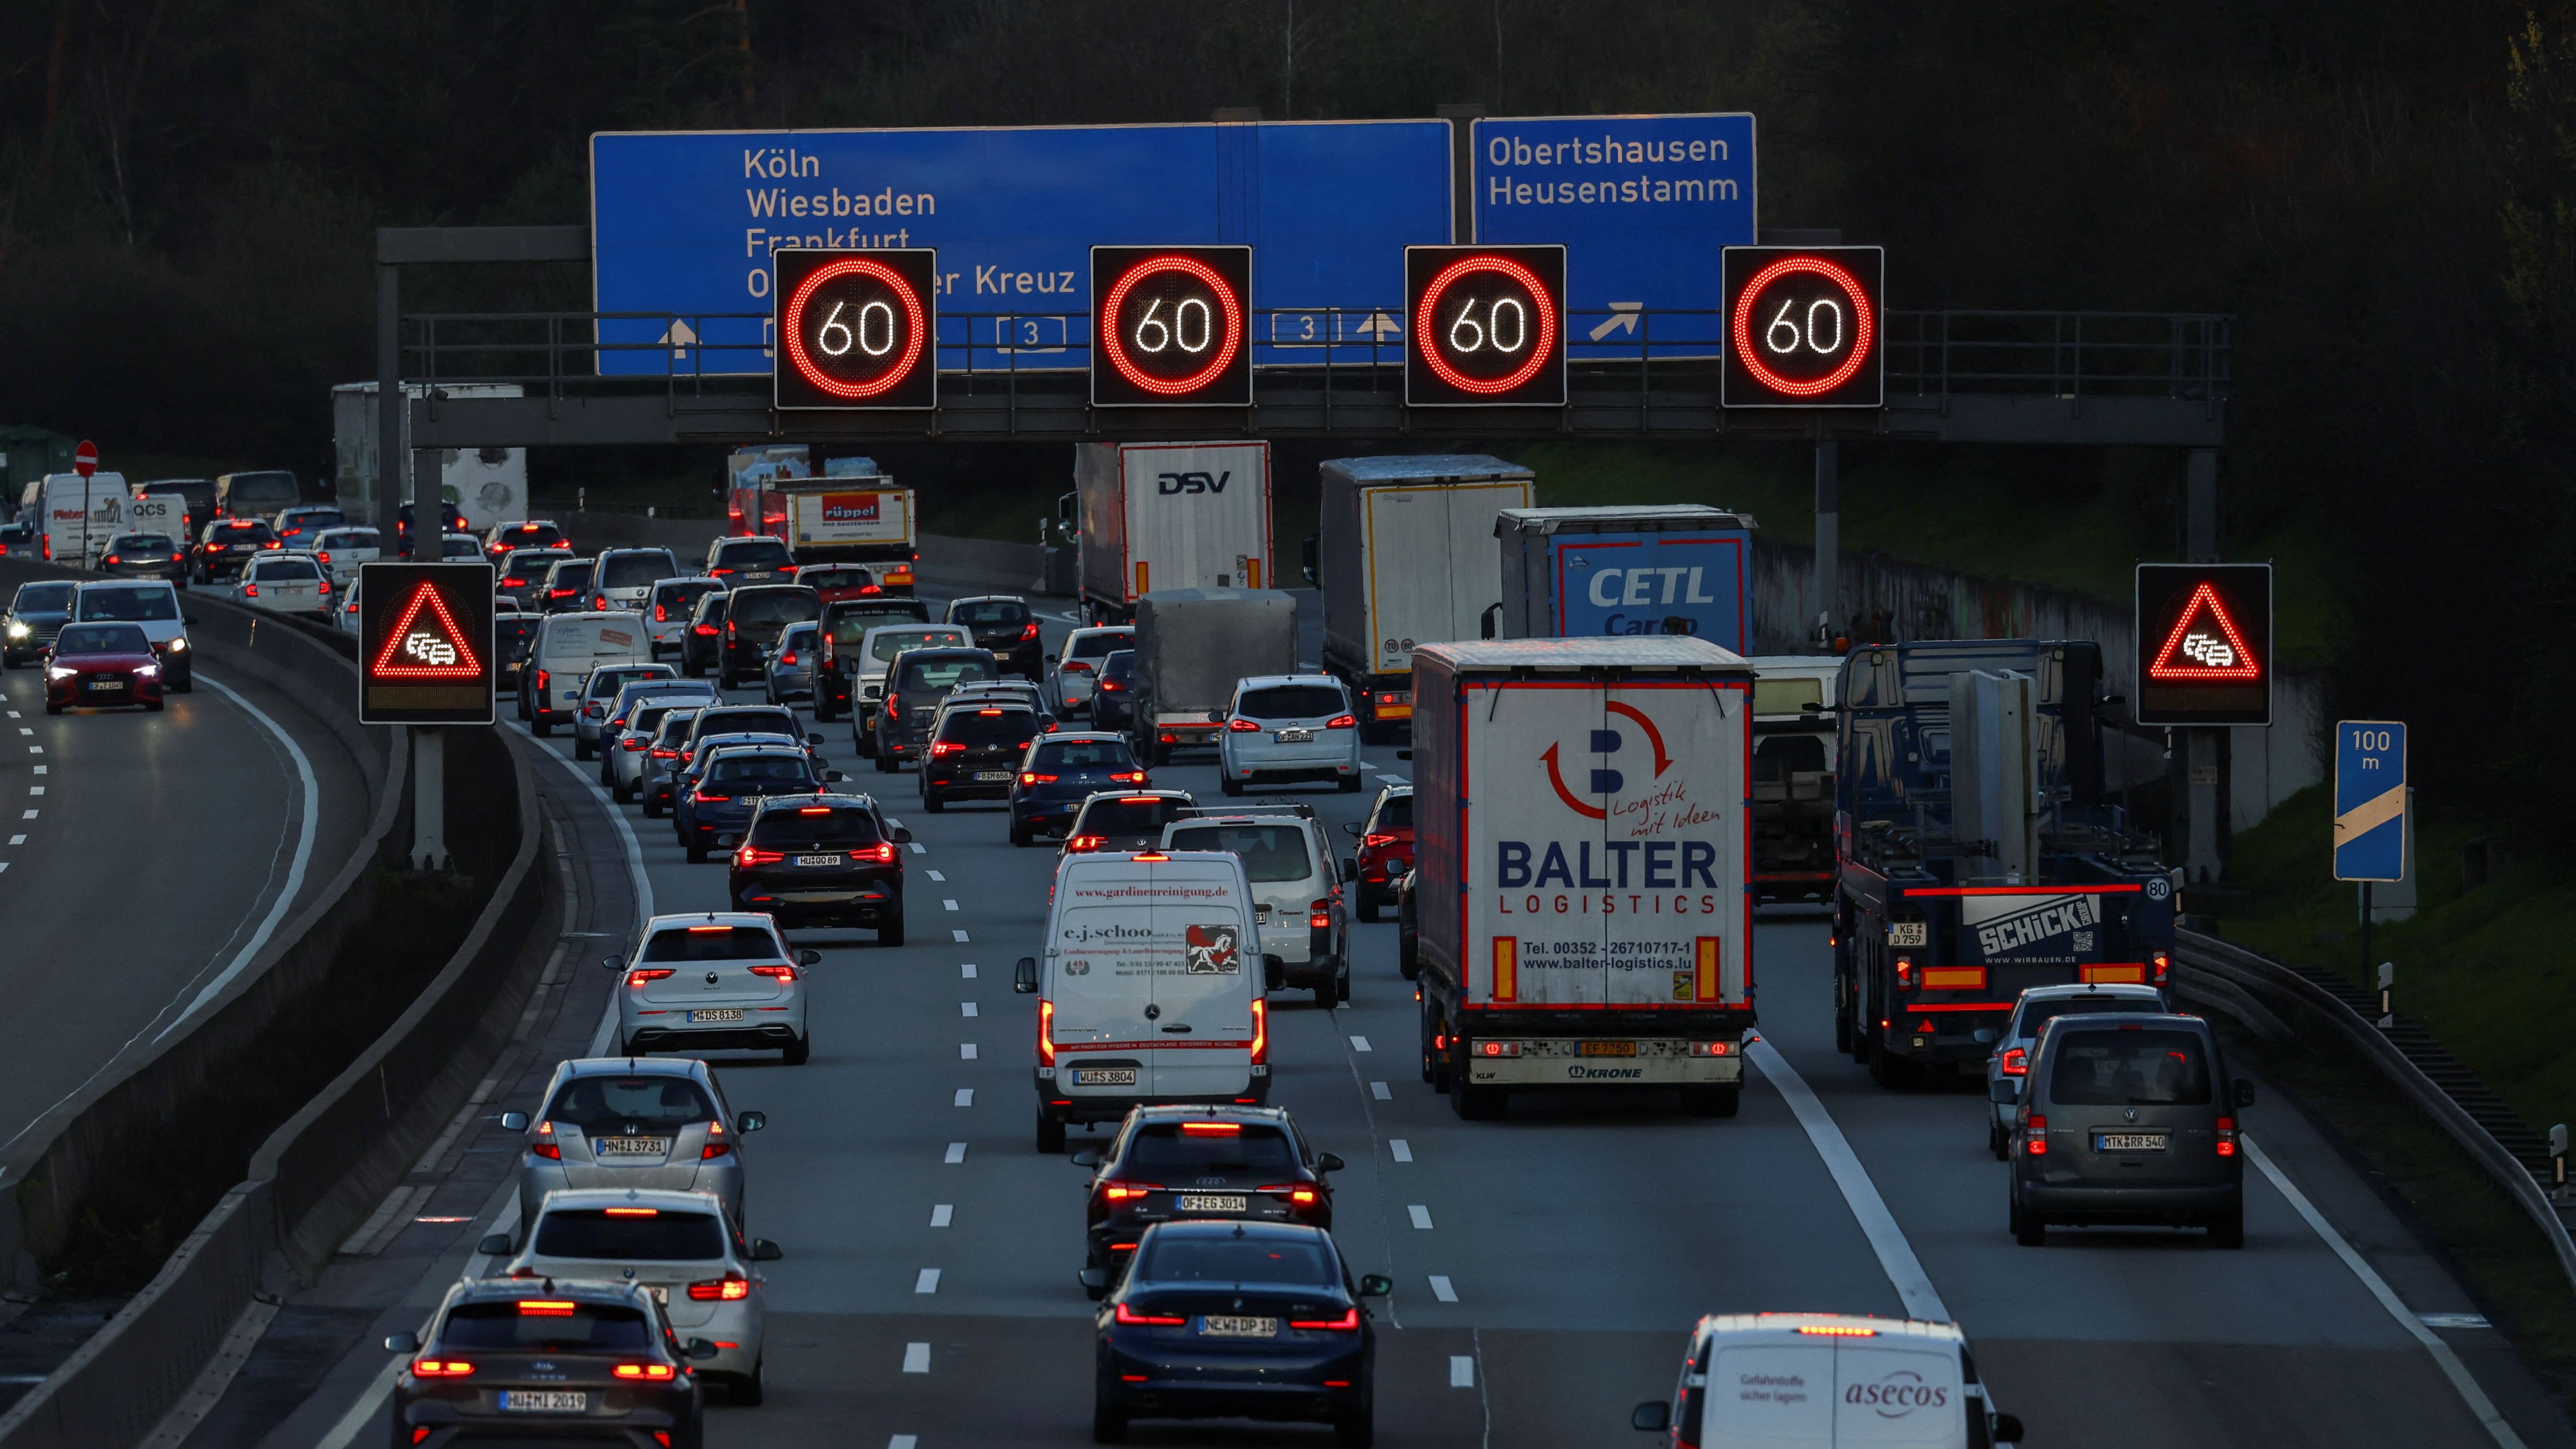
(2370, 800)
(684, 222)
(1645, 205)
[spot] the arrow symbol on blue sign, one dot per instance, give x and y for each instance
(1380, 326)
(677, 337)
(1623, 318)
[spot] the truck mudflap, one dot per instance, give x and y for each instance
(1582, 1061)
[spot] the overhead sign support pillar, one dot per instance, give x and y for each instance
(2205, 748)
(1829, 533)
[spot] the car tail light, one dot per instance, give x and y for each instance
(599, 601)
(1712, 1048)
(1347, 1323)
(2016, 1062)
(545, 1146)
(950, 747)
(272, 543)
(661, 613)
(748, 857)
(662, 754)
(788, 658)
(1377, 842)
(1122, 1191)
(1046, 1032)
(1110, 686)
(642, 974)
(2227, 1137)
(703, 798)
(1129, 1315)
(1343, 722)
(111, 558)
(250, 591)
(1300, 1193)
(870, 589)
(1170, 738)
(729, 629)
(420, 1432)
(1260, 1031)
(1031, 778)
(718, 573)
(1242, 726)
(183, 558)
(731, 1288)
(542, 677)
(2160, 970)
(1074, 666)
(1077, 844)
(709, 630)
(323, 558)
(442, 1368)
(778, 972)
(514, 583)
(1149, 855)
(1131, 777)
(1031, 631)
(1498, 1049)
(652, 1372)
(2034, 1137)
(1319, 914)
(631, 741)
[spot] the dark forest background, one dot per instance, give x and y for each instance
(2380, 190)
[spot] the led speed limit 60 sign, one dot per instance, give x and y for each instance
(857, 329)
(1805, 327)
(1484, 326)
(1171, 326)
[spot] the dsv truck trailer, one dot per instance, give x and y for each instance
(1170, 516)
(1670, 568)
(1405, 557)
(1976, 852)
(1582, 842)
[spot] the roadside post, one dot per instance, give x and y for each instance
(2369, 810)
(2558, 1163)
(2387, 994)
(426, 661)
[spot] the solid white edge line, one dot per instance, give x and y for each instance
(294, 873)
(607, 1032)
(2457, 1372)
(1895, 1255)
(360, 1414)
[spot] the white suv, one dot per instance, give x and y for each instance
(720, 979)
(1284, 727)
(1296, 887)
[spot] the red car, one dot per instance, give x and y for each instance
(839, 581)
(1386, 847)
(102, 664)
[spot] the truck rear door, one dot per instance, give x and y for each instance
(1432, 562)
(1198, 516)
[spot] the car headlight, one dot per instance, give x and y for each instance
(18, 629)
(147, 671)
(178, 646)
(56, 671)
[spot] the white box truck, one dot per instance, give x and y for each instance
(1583, 840)
(862, 519)
(487, 485)
(79, 515)
(1170, 516)
(1406, 556)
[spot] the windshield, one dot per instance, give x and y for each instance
(636, 570)
(1777, 757)
(754, 553)
(675, 728)
(102, 639)
(712, 943)
(571, 573)
(460, 546)
(530, 535)
(1120, 665)
(1291, 701)
(312, 518)
(237, 531)
(629, 1235)
(353, 538)
(43, 598)
(606, 682)
(1185, 1148)
(1206, 1258)
(760, 774)
(96, 603)
(1084, 755)
(284, 570)
(894, 641)
(810, 827)
(1100, 646)
(2130, 1068)
(850, 624)
(985, 728)
(942, 674)
(545, 1325)
(834, 578)
(775, 606)
(988, 613)
(1270, 852)
(744, 721)
(680, 598)
(590, 638)
(521, 565)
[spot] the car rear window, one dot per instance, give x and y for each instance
(2039, 1012)
(353, 538)
(571, 573)
(635, 570)
(102, 639)
(514, 635)
(1291, 701)
(675, 728)
(1396, 813)
(591, 638)
(739, 721)
(809, 827)
(834, 578)
(2130, 1068)
(712, 943)
(534, 561)
(530, 535)
(1139, 815)
(1270, 852)
(1173, 1258)
(895, 641)
(1100, 646)
(988, 613)
(946, 673)
(757, 773)
(316, 518)
(851, 625)
(984, 728)
(656, 1102)
(284, 570)
(130, 604)
(241, 530)
(630, 1235)
(775, 606)
(680, 598)
(538, 1324)
(43, 598)
(1085, 755)
(1184, 1147)
(144, 543)
(457, 545)
(759, 553)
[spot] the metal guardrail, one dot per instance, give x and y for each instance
(2228, 975)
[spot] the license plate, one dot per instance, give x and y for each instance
(630, 1146)
(1104, 1076)
(818, 860)
(1609, 1049)
(1214, 1202)
(1233, 1326)
(1294, 737)
(545, 1401)
(2128, 1142)
(107, 684)
(717, 1013)
(992, 774)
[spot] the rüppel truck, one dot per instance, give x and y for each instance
(1977, 854)
(1405, 556)
(1159, 516)
(1664, 568)
(1582, 843)
(1191, 646)
(1793, 776)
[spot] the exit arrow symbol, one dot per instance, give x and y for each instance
(1622, 318)
(677, 338)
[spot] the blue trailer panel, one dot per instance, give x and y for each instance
(1619, 571)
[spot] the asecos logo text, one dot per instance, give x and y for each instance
(1898, 1394)
(1169, 483)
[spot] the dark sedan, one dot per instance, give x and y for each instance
(716, 807)
(567, 586)
(451, 519)
(95, 665)
(703, 641)
(975, 753)
(1113, 701)
(753, 622)
(227, 544)
(35, 616)
(511, 1357)
(828, 860)
(1059, 773)
(1236, 1320)
(1003, 624)
(1173, 1164)
(522, 574)
(1116, 821)
(145, 556)
(843, 627)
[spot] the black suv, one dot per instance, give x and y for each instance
(2127, 1119)
(1113, 700)
(1241, 1164)
(577, 1345)
(844, 625)
(567, 586)
(702, 643)
(916, 681)
(1062, 771)
(758, 559)
(753, 622)
(823, 860)
(1124, 820)
(227, 544)
(1003, 624)
(975, 753)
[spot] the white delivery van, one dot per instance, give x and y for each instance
(1826, 1381)
(79, 515)
(1150, 990)
(567, 648)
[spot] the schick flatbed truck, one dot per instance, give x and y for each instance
(1583, 838)
(1976, 853)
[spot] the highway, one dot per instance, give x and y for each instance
(1546, 1265)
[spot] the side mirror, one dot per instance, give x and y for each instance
(2004, 1429)
(2244, 1092)
(1654, 1416)
(1405, 754)
(1376, 1285)
(494, 1245)
(402, 1343)
(700, 1348)
(809, 957)
(1485, 622)
(1330, 1162)
(833, 777)
(2003, 1091)
(1086, 1158)
(902, 836)
(1024, 975)
(1216, 716)
(514, 1121)
(765, 1251)
(1095, 1282)
(815, 738)
(1274, 972)
(608, 963)
(747, 1123)
(1352, 827)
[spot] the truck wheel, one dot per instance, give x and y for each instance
(1477, 1104)
(1050, 1134)
(2028, 1229)
(1713, 1101)
(1842, 1031)
(2227, 1230)
(890, 928)
(1891, 1071)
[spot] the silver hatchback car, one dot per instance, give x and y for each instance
(788, 672)
(640, 1122)
(2011, 1061)
(1289, 727)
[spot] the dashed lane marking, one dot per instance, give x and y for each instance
(1462, 1370)
(1359, 1044)
(918, 849)
(966, 1008)
(1400, 1149)
(926, 1281)
(966, 1051)
(956, 1152)
(916, 1358)
(949, 905)
(934, 875)
(1441, 1289)
(966, 969)
(941, 1214)
(965, 1096)
(1421, 1216)
(17, 840)
(903, 1441)
(1379, 1091)
(960, 935)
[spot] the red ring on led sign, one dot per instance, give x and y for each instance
(794, 327)
(1864, 326)
(1117, 351)
(1485, 387)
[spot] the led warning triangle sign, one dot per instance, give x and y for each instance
(2205, 644)
(427, 648)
